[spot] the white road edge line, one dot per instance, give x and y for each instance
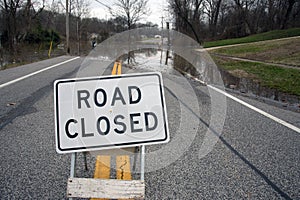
(34, 73)
(276, 119)
(280, 121)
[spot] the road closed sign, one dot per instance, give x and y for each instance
(110, 112)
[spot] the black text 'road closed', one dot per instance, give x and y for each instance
(109, 112)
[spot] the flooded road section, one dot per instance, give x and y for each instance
(150, 60)
(156, 60)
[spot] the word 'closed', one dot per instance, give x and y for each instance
(109, 112)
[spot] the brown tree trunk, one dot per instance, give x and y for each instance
(216, 17)
(287, 14)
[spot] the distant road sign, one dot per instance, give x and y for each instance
(110, 112)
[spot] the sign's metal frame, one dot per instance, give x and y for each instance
(116, 70)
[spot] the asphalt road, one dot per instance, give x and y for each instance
(254, 157)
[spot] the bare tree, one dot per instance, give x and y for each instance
(243, 9)
(18, 15)
(80, 9)
(188, 14)
(10, 9)
(281, 13)
(212, 9)
(131, 10)
(31, 10)
(289, 4)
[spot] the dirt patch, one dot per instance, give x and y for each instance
(279, 52)
(240, 73)
(285, 52)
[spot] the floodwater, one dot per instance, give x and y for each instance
(151, 60)
(155, 60)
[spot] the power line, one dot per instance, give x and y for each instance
(104, 4)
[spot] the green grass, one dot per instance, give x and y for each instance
(283, 79)
(276, 34)
(240, 50)
(282, 52)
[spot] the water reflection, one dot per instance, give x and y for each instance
(154, 60)
(149, 60)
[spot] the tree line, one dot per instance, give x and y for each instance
(221, 19)
(40, 21)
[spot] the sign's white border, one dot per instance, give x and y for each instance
(111, 146)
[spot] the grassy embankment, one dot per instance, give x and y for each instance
(285, 51)
(271, 35)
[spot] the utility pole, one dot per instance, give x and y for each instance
(167, 56)
(162, 39)
(162, 22)
(67, 27)
(77, 33)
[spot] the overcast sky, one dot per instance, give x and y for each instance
(156, 7)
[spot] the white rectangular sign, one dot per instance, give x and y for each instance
(110, 112)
